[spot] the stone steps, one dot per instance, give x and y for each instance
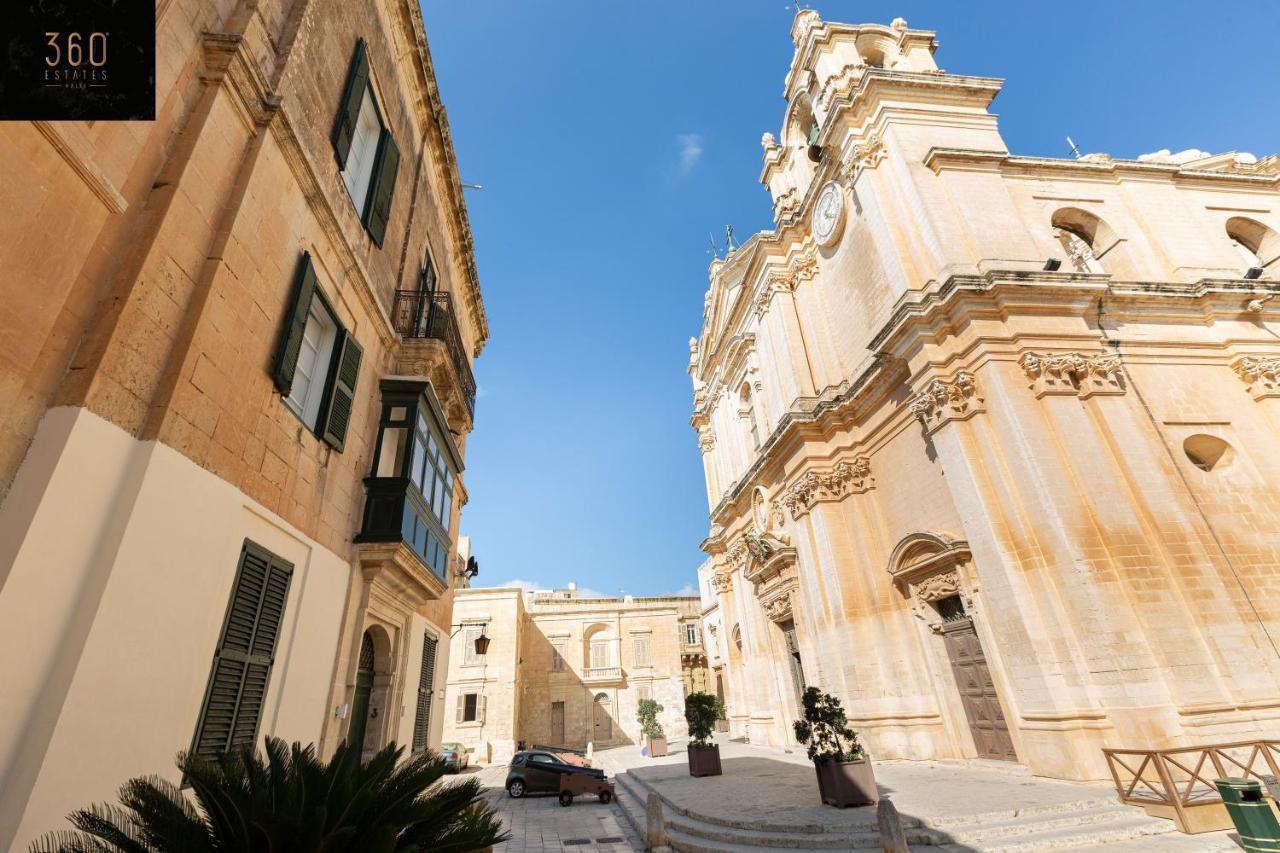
(1090, 823)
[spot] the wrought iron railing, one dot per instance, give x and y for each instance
(1182, 778)
(426, 314)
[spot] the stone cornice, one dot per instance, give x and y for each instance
(964, 159)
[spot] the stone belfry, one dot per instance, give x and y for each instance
(988, 438)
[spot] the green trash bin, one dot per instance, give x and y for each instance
(1251, 813)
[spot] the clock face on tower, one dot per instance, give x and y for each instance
(828, 214)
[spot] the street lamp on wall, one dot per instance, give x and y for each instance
(482, 643)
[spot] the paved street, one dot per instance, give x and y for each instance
(541, 825)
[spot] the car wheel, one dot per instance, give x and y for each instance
(566, 799)
(606, 797)
(515, 788)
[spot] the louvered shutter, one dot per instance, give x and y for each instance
(242, 662)
(344, 127)
(462, 705)
(481, 701)
(295, 324)
(426, 687)
(377, 210)
(335, 412)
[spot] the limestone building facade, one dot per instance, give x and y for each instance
(989, 440)
(566, 670)
(235, 391)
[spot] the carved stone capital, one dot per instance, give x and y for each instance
(849, 476)
(942, 402)
(1260, 373)
(1073, 373)
(722, 581)
(706, 440)
(778, 609)
(865, 155)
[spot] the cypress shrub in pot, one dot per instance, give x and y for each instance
(700, 712)
(843, 767)
(655, 739)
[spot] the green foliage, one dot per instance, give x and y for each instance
(701, 710)
(824, 729)
(647, 713)
(289, 802)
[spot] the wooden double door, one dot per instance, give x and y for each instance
(977, 691)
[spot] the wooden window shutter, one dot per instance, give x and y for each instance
(335, 413)
(344, 127)
(237, 691)
(377, 209)
(462, 706)
(295, 324)
(481, 701)
(426, 687)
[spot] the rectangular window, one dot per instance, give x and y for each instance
(237, 691)
(469, 636)
(317, 362)
(557, 657)
(471, 708)
(690, 634)
(642, 651)
(367, 156)
(358, 173)
(426, 690)
(314, 358)
(600, 654)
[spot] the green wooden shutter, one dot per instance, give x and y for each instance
(344, 127)
(295, 324)
(335, 412)
(377, 209)
(242, 662)
(426, 687)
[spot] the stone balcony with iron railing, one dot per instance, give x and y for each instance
(431, 346)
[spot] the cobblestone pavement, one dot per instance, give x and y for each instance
(539, 824)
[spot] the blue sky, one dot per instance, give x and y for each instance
(611, 137)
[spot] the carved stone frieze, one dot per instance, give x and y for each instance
(778, 609)
(1073, 373)
(1261, 373)
(938, 586)
(941, 402)
(849, 476)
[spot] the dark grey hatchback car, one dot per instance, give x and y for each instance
(535, 772)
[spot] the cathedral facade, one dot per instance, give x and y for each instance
(989, 440)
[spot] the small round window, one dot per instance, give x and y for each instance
(1208, 452)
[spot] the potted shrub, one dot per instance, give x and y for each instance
(722, 719)
(655, 739)
(843, 767)
(700, 712)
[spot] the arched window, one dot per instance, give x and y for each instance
(600, 647)
(748, 412)
(1087, 240)
(1257, 246)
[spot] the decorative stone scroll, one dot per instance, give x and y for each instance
(778, 609)
(927, 567)
(847, 477)
(1073, 373)
(1261, 373)
(942, 402)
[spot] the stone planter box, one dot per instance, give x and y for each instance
(657, 747)
(722, 725)
(847, 783)
(704, 760)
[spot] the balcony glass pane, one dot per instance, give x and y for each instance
(419, 461)
(391, 457)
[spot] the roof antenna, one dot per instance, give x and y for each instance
(715, 250)
(1075, 151)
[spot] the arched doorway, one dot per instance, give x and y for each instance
(933, 572)
(602, 720)
(369, 701)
